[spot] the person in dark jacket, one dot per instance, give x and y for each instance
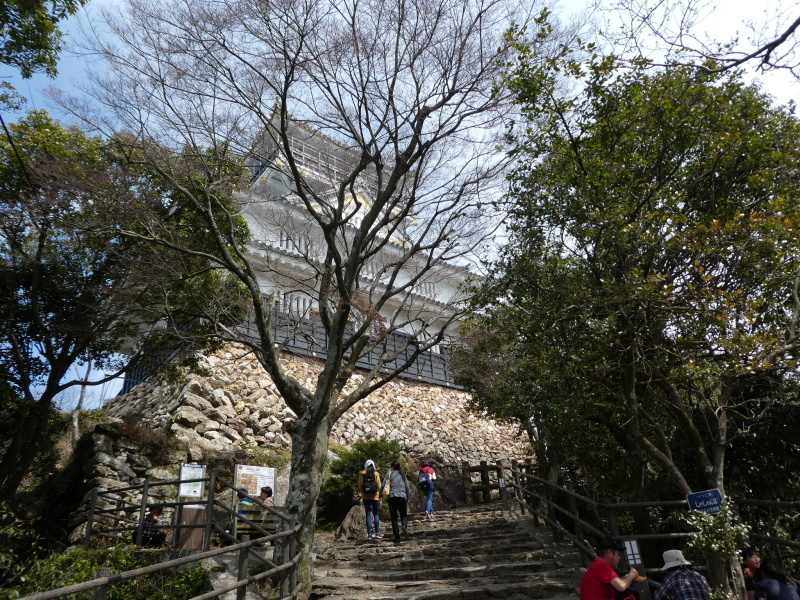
(775, 584)
(426, 468)
(153, 534)
(398, 500)
(751, 568)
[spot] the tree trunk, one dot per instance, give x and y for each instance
(309, 451)
(725, 574)
(76, 414)
(31, 431)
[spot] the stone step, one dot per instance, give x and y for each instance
(402, 561)
(465, 554)
(508, 570)
(441, 590)
(421, 548)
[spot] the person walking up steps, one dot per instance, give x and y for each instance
(398, 500)
(369, 482)
(426, 478)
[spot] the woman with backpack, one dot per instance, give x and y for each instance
(369, 482)
(426, 478)
(398, 500)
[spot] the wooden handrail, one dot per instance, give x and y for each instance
(117, 577)
(122, 508)
(611, 507)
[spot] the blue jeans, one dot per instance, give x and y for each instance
(373, 510)
(429, 507)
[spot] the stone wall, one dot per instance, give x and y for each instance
(237, 405)
(118, 456)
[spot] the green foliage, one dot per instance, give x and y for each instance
(269, 457)
(31, 39)
(645, 296)
(721, 535)
(14, 411)
(723, 593)
(78, 565)
(340, 491)
(19, 545)
(78, 279)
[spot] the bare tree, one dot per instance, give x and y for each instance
(671, 29)
(405, 93)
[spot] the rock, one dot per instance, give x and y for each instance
(353, 524)
(195, 453)
(196, 402)
(207, 426)
(190, 417)
(164, 473)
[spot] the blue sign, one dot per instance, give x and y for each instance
(709, 501)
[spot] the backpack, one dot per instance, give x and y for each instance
(368, 485)
(425, 483)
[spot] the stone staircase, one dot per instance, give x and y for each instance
(472, 553)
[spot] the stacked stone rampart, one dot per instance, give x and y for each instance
(237, 405)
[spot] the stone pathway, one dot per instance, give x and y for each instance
(472, 553)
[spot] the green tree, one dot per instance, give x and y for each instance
(652, 271)
(73, 289)
(31, 39)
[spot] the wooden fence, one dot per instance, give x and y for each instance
(577, 518)
(110, 518)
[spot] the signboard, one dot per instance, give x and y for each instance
(634, 559)
(708, 501)
(254, 478)
(192, 489)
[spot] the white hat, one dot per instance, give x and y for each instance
(674, 558)
(369, 464)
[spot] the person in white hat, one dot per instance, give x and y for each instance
(681, 582)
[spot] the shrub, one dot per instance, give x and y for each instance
(78, 565)
(269, 457)
(340, 492)
(146, 437)
(19, 546)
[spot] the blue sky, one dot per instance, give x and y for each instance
(726, 19)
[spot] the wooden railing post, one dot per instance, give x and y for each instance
(241, 592)
(142, 509)
(576, 523)
(209, 512)
(287, 582)
(529, 484)
(551, 497)
(487, 492)
(613, 528)
(515, 468)
(90, 518)
(467, 482)
(101, 592)
(501, 482)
